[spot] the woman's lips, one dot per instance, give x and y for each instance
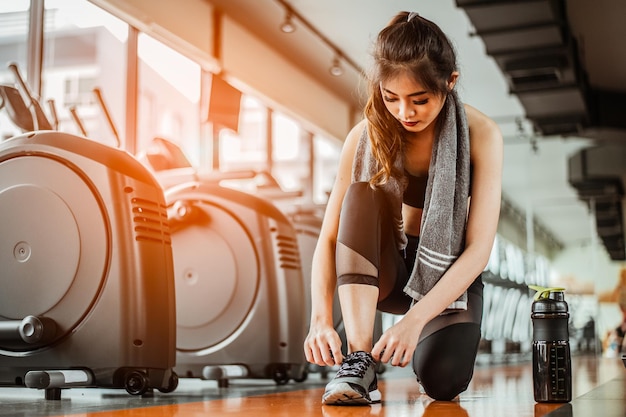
(409, 124)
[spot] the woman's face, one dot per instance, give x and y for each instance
(411, 104)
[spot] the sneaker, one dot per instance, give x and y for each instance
(355, 382)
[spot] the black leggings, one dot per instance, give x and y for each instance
(367, 254)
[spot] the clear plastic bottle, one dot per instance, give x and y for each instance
(552, 366)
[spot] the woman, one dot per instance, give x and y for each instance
(409, 225)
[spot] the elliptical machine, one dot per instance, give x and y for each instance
(87, 294)
(238, 275)
(87, 275)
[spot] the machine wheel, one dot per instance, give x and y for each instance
(303, 376)
(172, 384)
(136, 383)
(280, 374)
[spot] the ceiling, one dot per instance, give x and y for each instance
(542, 105)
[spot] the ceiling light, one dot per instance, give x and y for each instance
(336, 69)
(287, 26)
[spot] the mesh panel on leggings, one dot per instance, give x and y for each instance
(354, 268)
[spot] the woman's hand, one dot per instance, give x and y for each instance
(322, 346)
(398, 343)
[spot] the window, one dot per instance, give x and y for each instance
(13, 48)
(169, 98)
(290, 153)
(84, 48)
(327, 152)
(247, 149)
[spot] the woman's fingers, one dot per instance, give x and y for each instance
(323, 349)
(336, 357)
(326, 355)
(396, 357)
(402, 359)
(383, 350)
(396, 351)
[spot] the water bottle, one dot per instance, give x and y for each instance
(552, 365)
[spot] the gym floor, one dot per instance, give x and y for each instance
(599, 387)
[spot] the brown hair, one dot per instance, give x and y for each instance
(408, 44)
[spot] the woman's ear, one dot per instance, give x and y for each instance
(452, 80)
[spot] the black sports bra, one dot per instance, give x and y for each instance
(415, 191)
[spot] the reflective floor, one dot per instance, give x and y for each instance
(599, 386)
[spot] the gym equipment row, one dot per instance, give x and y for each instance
(506, 314)
(230, 259)
(510, 263)
(506, 326)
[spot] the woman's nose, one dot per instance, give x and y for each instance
(406, 111)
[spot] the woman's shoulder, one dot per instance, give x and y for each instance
(482, 128)
(357, 130)
(486, 141)
(478, 120)
(355, 134)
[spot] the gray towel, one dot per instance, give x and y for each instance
(442, 234)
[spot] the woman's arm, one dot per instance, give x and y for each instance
(322, 338)
(484, 211)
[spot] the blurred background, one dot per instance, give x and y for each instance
(273, 87)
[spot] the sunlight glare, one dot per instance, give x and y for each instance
(182, 73)
(83, 14)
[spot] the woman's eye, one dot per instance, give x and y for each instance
(420, 102)
(389, 99)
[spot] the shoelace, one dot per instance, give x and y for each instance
(355, 365)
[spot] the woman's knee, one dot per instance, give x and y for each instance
(444, 361)
(360, 220)
(445, 386)
(361, 196)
